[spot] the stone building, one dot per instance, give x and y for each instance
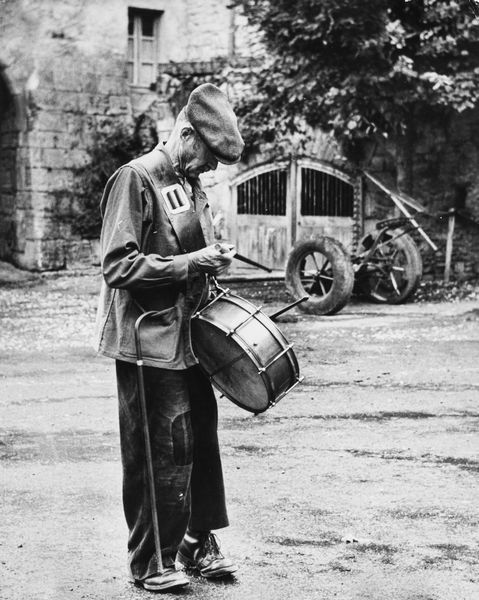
(64, 68)
(67, 67)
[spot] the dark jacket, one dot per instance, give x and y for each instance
(145, 266)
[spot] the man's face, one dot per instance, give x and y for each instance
(194, 156)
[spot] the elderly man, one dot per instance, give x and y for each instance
(157, 251)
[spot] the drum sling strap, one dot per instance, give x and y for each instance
(173, 200)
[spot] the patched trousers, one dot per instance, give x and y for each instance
(183, 419)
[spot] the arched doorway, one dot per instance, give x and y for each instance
(8, 170)
(281, 202)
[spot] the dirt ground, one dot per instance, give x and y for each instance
(361, 484)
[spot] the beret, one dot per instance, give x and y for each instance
(210, 113)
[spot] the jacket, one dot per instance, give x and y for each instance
(145, 264)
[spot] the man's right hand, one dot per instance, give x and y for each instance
(214, 259)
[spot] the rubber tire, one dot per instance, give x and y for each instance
(406, 244)
(342, 274)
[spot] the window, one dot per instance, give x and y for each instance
(143, 46)
(264, 194)
(323, 195)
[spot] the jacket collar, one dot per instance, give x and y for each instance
(198, 195)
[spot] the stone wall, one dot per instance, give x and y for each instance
(67, 73)
(65, 64)
(444, 175)
(8, 162)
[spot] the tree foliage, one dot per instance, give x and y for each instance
(113, 143)
(359, 68)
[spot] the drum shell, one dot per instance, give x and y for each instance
(244, 353)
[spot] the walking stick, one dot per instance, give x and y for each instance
(146, 436)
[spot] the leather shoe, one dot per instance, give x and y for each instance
(205, 556)
(169, 579)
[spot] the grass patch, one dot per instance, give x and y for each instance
(468, 464)
(384, 416)
(451, 551)
(251, 449)
(375, 548)
(439, 291)
(340, 567)
(58, 446)
(385, 455)
(295, 542)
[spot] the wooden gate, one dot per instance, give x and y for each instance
(262, 224)
(278, 203)
(325, 202)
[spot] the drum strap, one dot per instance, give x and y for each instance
(158, 170)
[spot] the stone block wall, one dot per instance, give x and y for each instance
(66, 71)
(8, 162)
(207, 29)
(444, 175)
(65, 66)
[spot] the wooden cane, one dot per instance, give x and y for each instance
(146, 437)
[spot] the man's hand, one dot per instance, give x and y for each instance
(214, 259)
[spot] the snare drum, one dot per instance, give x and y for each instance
(243, 352)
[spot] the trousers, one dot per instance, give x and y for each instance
(182, 419)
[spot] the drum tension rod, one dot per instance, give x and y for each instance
(251, 316)
(279, 355)
(274, 402)
(198, 314)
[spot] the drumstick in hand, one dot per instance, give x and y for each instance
(224, 248)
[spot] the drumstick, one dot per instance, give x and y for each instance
(245, 259)
(252, 262)
(275, 315)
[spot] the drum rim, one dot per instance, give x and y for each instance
(243, 406)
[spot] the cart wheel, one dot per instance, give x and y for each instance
(393, 272)
(321, 269)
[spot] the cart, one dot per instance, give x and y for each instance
(385, 268)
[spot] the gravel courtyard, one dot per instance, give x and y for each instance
(360, 484)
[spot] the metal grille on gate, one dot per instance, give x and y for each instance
(323, 194)
(264, 194)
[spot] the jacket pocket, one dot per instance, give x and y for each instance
(159, 334)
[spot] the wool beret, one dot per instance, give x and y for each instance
(210, 113)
